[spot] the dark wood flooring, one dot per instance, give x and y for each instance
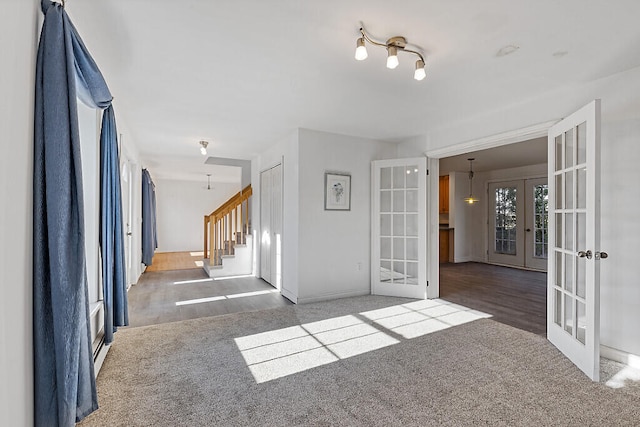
(170, 296)
(512, 296)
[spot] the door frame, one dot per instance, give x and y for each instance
(433, 165)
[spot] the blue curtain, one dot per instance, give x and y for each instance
(111, 235)
(149, 230)
(64, 378)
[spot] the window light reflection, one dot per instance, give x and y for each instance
(282, 352)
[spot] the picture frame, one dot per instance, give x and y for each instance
(337, 191)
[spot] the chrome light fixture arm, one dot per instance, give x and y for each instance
(392, 45)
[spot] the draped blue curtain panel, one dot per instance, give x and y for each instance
(114, 279)
(64, 378)
(149, 230)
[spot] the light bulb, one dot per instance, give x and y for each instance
(361, 50)
(420, 73)
(392, 58)
(203, 151)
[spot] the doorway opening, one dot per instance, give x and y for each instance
(493, 252)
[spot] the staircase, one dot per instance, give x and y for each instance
(228, 244)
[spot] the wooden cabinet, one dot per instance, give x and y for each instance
(444, 194)
(444, 245)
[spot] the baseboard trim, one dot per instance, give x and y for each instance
(614, 354)
(331, 296)
(289, 295)
(99, 358)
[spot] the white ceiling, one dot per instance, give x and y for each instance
(242, 74)
(525, 153)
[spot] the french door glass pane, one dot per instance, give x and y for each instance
(581, 189)
(398, 219)
(559, 151)
(412, 176)
(541, 215)
(568, 314)
(568, 149)
(506, 231)
(581, 133)
(385, 178)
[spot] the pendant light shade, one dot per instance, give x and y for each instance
(471, 200)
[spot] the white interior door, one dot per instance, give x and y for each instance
(399, 239)
(506, 223)
(127, 215)
(265, 225)
(573, 288)
(536, 223)
(271, 226)
(276, 227)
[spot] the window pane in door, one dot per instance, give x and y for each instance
(541, 215)
(412, 176)
(399, 173)
(398, 201)
(568, 314)
(581, 184)
(385, 178)
(568, 148)
(581, 133)
(568, 190)
(559, 150)
(506, 231)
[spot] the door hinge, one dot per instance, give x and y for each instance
(427, 171)
(427, 283)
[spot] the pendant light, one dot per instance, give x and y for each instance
(471, 200)
(208, 181)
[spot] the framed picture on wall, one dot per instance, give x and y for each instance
(337, 191)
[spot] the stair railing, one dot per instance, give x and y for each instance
(227, 226)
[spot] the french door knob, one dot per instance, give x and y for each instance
(585, 254)
(528, 230)
(601, 255)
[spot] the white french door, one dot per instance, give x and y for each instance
(506, 220)
(536, 238)
(518, 223)
(573, 279)
(399, 238)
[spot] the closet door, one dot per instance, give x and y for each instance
(275, 254)
(271, 223)
(265, 225)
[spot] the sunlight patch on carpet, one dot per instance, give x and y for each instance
(282, 352)
(223, 297)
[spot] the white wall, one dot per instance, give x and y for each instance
(17, 56)
(620, 291)
(335, 246)
(180, 210)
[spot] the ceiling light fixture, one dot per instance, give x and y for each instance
(393, 46)
(203, 147)
(471, 200)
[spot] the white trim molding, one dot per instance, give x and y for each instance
(497, 140)
(629, 359)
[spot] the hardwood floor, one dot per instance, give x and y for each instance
(169, 296)
(512, 296)
(166, 261)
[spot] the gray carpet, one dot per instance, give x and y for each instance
(192, 373)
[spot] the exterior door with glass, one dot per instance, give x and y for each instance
(573, 279)
(399, 238)
(506, 214)
(537, 223)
